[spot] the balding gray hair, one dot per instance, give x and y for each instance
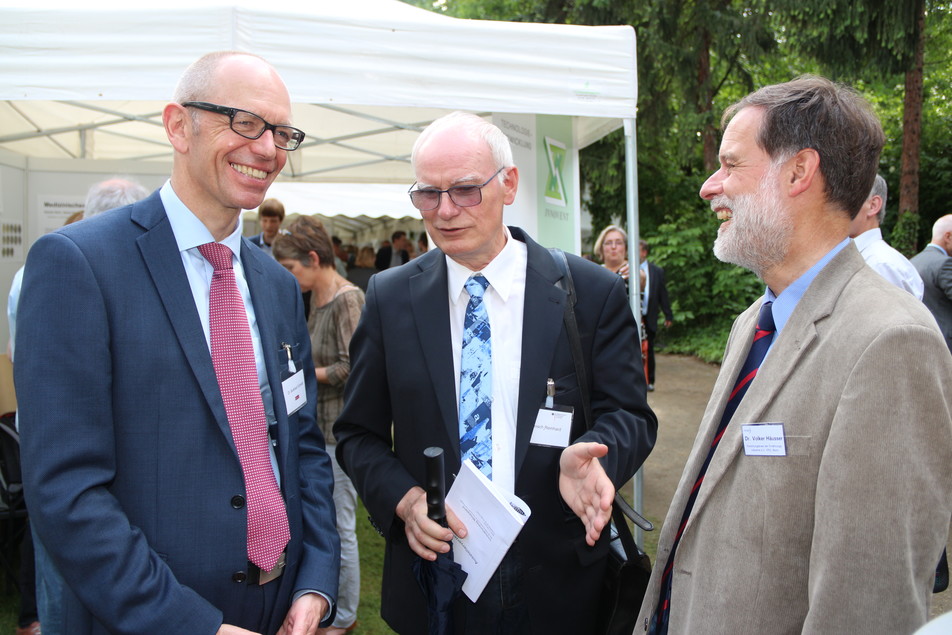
(476, 127)
(111, 194)
(880, 190)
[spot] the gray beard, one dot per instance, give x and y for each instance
(758, 237)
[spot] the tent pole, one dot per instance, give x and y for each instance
(634, 287)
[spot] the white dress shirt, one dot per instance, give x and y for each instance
(888, 262)
(505, 302)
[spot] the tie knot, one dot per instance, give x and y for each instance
(765, 321)
(476, 285)
(217, 254)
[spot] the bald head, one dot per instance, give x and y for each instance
(474, 127)
(219, 166)
(201, 75)
(942, 232)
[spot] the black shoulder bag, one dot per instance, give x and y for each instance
(628, 568)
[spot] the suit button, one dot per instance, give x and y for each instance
(239, 576)
(237, 502)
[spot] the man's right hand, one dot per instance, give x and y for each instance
(426, 537)
(228, 629)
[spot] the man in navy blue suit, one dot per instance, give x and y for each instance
(131, 470)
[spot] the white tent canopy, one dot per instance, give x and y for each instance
(89, 80)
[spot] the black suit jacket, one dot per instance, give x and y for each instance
(657, 298)
(382, 259)
(402, 372)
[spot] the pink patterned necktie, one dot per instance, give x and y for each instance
(234, 360)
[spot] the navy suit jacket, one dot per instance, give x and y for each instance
(132, 478)
(402, 371)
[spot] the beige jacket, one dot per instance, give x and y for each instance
(842, 535)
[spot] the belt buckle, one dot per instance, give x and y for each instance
(267, 576)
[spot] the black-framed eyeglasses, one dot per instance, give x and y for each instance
(251, 126)
(428, 198)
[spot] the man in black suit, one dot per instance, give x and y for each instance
(394, 254)
(654, 299)
(406, 369)
(935, 266)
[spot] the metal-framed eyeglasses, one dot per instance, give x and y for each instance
(251, 126)
(428, 198)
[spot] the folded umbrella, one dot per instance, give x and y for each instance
(442, 579)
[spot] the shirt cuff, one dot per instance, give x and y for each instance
(330, 603)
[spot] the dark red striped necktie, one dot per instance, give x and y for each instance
(763, 336)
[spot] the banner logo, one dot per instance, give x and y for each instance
(554, 186)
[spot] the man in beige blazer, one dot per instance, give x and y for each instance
(833, 520)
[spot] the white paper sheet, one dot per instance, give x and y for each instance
(493, 519)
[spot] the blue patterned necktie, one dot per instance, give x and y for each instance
(476, 381)
(763, 336)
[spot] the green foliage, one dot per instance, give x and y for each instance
(704, 292)
(935, 158)
(704, 342)
(851, 36)
(695, 57)
(603, 173)
(905, 233)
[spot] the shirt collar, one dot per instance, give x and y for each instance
(499, 272)
(786, 302)
(188, 230)
(944, 252)
(868, 237)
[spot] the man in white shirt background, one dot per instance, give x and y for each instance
(886, 261)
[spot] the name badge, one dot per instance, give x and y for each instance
(764, 439)
(553, 427)
(295, 395)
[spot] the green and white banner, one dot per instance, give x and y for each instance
(547, 203)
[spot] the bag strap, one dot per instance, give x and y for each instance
(567, 284)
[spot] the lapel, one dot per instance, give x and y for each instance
(264, 303)
(797, 337)
(429, 304)
(541, 328)
(164, 263)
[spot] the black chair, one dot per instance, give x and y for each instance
(13, 514)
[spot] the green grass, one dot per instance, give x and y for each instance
(371, 572)
(9, 609)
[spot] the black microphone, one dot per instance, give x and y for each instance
(435, 485)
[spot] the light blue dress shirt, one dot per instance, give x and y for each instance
(786, 302)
